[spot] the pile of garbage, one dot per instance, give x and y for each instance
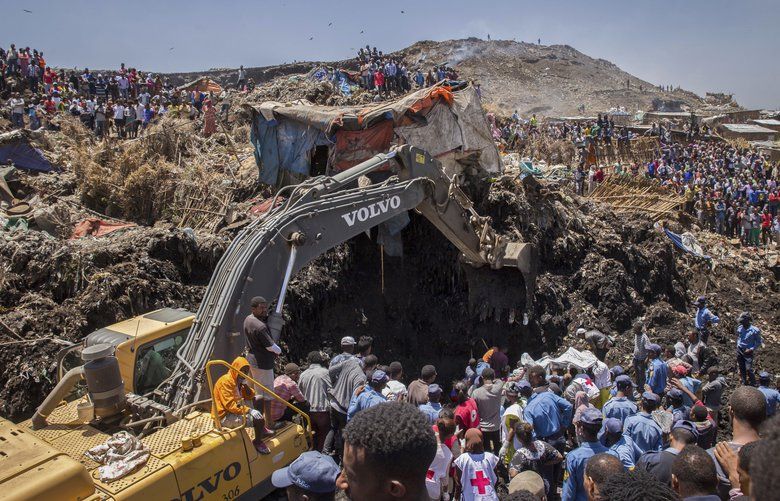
(126, 227)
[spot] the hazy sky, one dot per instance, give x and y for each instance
(715, 45)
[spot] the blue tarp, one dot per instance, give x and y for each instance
(24, 156)
(286, 145)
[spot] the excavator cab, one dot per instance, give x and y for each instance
(145, 347)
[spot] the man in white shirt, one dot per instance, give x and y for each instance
(124, 84)
(16, 104)
(119, 119)
(395, 389)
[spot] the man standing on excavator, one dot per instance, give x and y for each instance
(261, 353)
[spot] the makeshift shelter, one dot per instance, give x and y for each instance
(15, 148)
(308, 140)
(202, 84)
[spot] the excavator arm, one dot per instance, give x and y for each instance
(316, 216)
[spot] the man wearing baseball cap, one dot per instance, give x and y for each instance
(693, 385)
(659, 463)
(620, 406)
(704, 318)
(642, 428)
(371, 394)
(347, 350)
(656, 373)
(311, 477)
(433, 407)
(748, 341)
(286, 387)
(679, 410)
(587, 433)
(619, 445)
(771, 394)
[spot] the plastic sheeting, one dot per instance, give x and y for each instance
(436, 119)
(686, 242)
(97, 228)
(355, 146)
(121, 455)
(442, 133)
(284, 145)
(583, 360)
(17, 150)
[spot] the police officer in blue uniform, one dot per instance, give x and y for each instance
(655, 375)
(679, 410)
(620, 406)
(548, 413)
(587, 434)
(642, 428)
(619, 445)
(772, 395)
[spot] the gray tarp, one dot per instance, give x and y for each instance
(442, 132)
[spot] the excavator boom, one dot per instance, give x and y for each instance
(316, 216)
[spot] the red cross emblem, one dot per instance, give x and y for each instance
(480, 482)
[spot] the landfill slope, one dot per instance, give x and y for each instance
(549, 80)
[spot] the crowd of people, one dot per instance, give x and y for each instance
(385, 74)
(730, 190)
(121, 103)
(520, 431)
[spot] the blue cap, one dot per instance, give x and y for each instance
(654, 347)
(651, 397)
(523, 384)
(687, 425)
(617, 371)
(613, 425)
(312, 471)
(675, 393)
(764, 375)
(624, 380)
(379, 376)
(434, 389)
(591, 415)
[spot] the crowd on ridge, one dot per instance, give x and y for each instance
(530, 430)
(122, 103)
(384, 74)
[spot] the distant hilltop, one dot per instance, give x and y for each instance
(549, 80)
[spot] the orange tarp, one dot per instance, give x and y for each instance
(437, 93)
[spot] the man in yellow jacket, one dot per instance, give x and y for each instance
(233, 399)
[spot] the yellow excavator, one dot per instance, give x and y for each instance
(152, 375)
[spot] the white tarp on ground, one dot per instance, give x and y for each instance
(583, 360)
(120, 455)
